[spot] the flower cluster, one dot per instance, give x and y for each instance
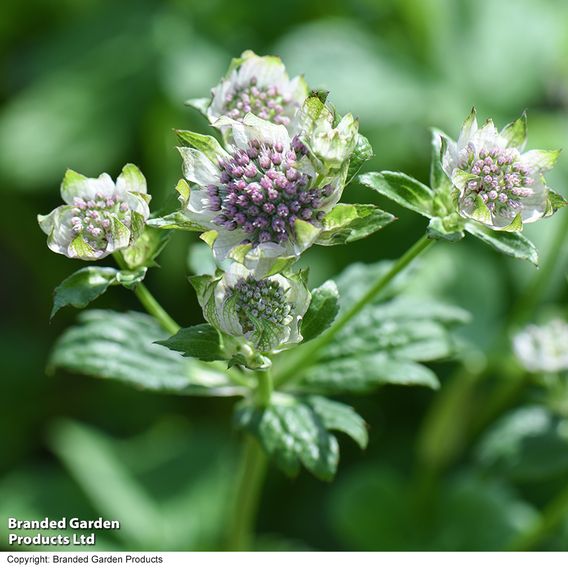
(497, 183)
(257, 85)
(99, 216)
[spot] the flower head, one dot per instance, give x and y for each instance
(543, 348)
(263, 198)
(99, 215)
(266, 312)
(257, 85)
(498, 183)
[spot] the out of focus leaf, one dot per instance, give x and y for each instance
(117, 346)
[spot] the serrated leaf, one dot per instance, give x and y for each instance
(294, 431)
(322, 310)
(87, 284)
(121, 346)
(199, 341)
(511, 244)
(362, 153)
(350, 222)
(402, 189)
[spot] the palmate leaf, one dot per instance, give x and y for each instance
(295, 431)
(387, 342)
(121, 346)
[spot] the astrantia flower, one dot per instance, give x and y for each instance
(263, 198)
(498, 183)
(265, 312)
(259, 85)
(543, 348)
(99, 215)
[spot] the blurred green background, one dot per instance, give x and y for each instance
(91, 85)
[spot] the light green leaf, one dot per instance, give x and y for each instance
(146, 249)
(402, 189)
(346, 223)
(200, 105)
(176, 220)
(322, 310)
(555, 202)
(121, 347)
(294, 431)
(448, 228)
(199, 341)
(541, 159)
(516, 132)
(438, 179)
(206, 144)
(511, 244)
(362, 153)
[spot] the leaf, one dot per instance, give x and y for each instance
(363, 374)
(346, 223)
(121, 347)
(176, 220)
(294, 431)
(200, 105)
(446, 228)
(402, 189)
(527, 444)
(322, 310)
(146, 248)
(362, 153)
(206, 144)
(511, 244)
(516, 132)
(200, 341)
(438, 179)
(87, 284)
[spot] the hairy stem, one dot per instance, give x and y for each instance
(310, 354)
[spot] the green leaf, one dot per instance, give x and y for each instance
(200, 105)
(176, 220)
(555, 202)
(322, 310)
(438, 179)
(511, 244)
(527, 444)
(87, 284)
(402, 189)
(363, 374)
(206, 144)
(294, 431)
(516, 132)
(346, 223)
(448, 228)
(121, 347)
(362, 153)
(146, 248)
(199, 341)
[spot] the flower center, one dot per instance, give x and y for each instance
(260, 300)
(265, 102)
(262, 192)
(93, 219)
(499, 180)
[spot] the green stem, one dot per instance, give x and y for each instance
(247, 496)
(307, 356)
(552, 516)
(264, 387)
(150, 303)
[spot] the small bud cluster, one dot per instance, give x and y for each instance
(500, 180)
(265, 102)
(260, 300)
(263, 192)
(93, 218)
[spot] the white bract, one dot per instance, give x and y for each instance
(257, 85)
(263, 199)
(267, 312)
(543, 348)
(498, 183)
(99, 215)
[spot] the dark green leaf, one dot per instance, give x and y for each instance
(294, 431)
(511, 244)
(347, 222)
(199, 341)
(402, 189)
(121, 346)
(322, 310)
